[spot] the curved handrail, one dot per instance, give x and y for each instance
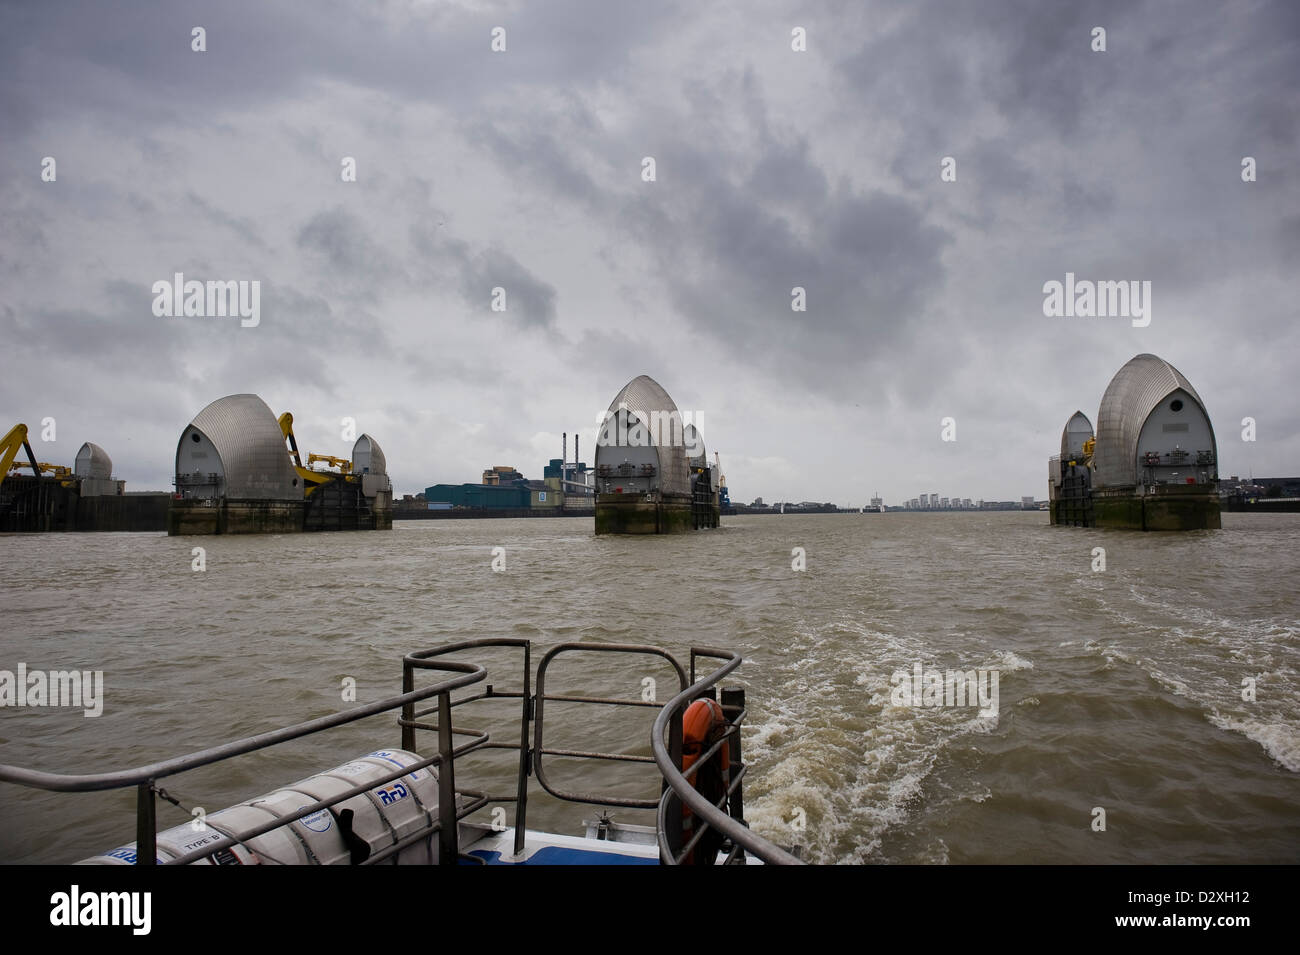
(93, 782)
(681, 786)
(539, 750)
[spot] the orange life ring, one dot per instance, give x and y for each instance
(703, 724)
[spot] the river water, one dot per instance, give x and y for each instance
(1119, 691)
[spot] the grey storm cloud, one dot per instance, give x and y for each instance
(528, 300)
(103, 57)
(242, 226)
(343, 244)
(775, 169)
(543, 157)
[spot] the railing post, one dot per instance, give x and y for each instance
(146, 832)
(448, 836)
(408, 709)
(734, 696)
(675, 833)
(525, 762)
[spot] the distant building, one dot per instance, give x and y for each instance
(493, 496)
(235, 475)
(647, 482)
(1153, 464)
(501, 474)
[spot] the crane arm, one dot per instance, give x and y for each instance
(286, 429)
(310, 479)
(343, 464)
(9, 445)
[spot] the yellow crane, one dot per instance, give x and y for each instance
(312, 478)
(1089, 446)
(16, 440)
(343, 464)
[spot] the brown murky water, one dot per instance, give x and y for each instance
(1119, 690)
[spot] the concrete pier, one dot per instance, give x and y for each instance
(236, 475)
(1152, 464)
(226, 516)
(652, 472)
(38, 505)
(1160, 507)
(634, 514)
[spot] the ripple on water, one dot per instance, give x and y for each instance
(1121, 688)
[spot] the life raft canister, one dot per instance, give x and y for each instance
(704, 724)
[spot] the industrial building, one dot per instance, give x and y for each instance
(501, 474)
(566, 487)
(85, 497)
(1153, 462)
(235, 474)
(571, 484)
(646, 482)
(513, 496)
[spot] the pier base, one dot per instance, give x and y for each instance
(1161, 507)
(44, 504)
(234, 517)
(633, 514)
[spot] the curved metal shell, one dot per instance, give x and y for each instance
(93, 462)
(1077, 430)
(247, 438)
(368, 457)
(645, 395)
(1135, 391)
(694, 441)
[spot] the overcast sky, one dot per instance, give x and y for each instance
(774, 168)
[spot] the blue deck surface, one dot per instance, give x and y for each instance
(560, 855)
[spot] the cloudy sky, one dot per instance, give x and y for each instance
(774, 168)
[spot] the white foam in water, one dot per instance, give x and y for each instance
(936, 853)
(1202, 658)
(1008, 662)
(896, 750)
(1280, 740)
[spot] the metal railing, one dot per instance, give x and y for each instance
(454, 804)
(410, 721)
(145, 778)
(680, 790)
(532, 760)
(600, 799)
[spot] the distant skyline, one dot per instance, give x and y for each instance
(916, 175)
